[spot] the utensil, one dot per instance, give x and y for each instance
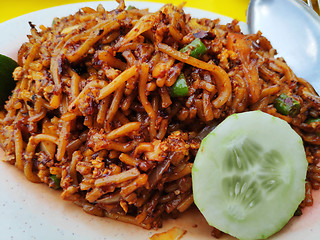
(293, 28)
(315, 5)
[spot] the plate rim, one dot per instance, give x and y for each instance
(76, 7)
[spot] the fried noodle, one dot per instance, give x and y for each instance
(92, 107)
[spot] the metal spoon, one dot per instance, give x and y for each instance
(293, 29)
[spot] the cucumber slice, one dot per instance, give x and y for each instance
(249, 175)
(7, 84)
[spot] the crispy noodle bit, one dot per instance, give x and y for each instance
(93, 113)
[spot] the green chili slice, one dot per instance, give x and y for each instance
(196, 48)
(312, 120)
(131, 7)
(180, 87)
(56, 181)
(287, 105)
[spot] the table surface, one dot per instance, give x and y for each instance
(231, 8)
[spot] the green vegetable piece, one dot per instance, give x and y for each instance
(312, 120)
(287, 105)
(196, 48)
(7, 84)
(131, 7)
(56, 181)
(249, 175)
(180, 87)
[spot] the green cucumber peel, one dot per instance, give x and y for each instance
(7, 84)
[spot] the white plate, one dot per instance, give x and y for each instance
(34, 211)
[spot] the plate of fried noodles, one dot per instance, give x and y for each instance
(97, 118)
